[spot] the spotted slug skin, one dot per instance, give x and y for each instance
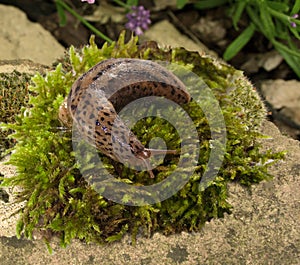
(99, 94)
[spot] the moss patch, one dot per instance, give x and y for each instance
(13, 95)
(60, 200)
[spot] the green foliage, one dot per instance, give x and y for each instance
(59, 200)
(274, 19)
(181, 3)
(132, 2)
(239, 42)
(207, 4)
(61, 14)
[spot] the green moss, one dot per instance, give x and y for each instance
(13, 95)
(59, 199)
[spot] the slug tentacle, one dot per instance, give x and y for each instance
(99, 94)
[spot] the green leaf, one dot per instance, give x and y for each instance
(296, 7)
(239, 42)
(207, 4)
(291, 57)
(281, 31)
(266, 20)
(181, 3)
(255, 19)
(132, 2)
(281, 7)
(295, 32)
(61, 14)
(238, 13)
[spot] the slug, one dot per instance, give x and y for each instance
(98, 95)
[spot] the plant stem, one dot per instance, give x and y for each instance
(83, 21)
(283, 17)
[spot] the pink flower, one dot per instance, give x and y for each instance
(293, 24)
(89, 1)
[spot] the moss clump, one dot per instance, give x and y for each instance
(59, 199)
(13, 95)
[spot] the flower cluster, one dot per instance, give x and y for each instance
(138, 19)
(293, 24)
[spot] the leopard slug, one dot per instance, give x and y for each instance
(98, 95)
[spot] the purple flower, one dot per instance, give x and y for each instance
(89, 1)
(293, 24)
(138, 19)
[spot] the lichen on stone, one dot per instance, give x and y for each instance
(61, 201)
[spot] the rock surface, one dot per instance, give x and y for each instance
(22, 39)
(167, 35)
(284, 100)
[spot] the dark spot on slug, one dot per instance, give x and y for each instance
(97, 75)
(100, 143)
(81, 77)
(164, 73)
(77, 89)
